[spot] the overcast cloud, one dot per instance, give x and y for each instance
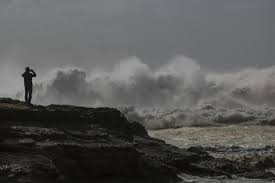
(219, 34)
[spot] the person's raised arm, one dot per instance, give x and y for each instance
(33, 73)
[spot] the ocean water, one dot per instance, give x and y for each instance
(234, 142)
(194, 179)
(246, 136)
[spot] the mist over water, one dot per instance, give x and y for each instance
(179, 93)
(179, 83)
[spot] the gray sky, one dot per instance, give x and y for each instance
(220, 34)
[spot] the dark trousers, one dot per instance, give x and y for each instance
(28, 94)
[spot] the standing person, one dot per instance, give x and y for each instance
(28, 75)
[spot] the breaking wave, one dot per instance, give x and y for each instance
(156, 119)
(198, 97)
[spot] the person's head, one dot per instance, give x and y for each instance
(27, 69)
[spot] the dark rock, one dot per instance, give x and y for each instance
(68, 144)
(77, 144)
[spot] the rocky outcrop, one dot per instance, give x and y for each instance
(68, 144)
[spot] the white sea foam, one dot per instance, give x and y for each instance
(204, 116)
(179, 93)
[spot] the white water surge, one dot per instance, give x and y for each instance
(246, 136)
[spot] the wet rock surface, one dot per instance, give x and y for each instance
(60, 144)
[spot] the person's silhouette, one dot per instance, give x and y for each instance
(28, 75)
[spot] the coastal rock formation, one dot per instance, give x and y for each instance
(68, 144)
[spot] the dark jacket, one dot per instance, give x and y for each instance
(28, 78)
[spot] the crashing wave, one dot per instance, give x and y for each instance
(204, 116)
(170, 96)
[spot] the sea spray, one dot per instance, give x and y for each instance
(179, 93)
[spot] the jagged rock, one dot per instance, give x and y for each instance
(68, 144)
(77, 144)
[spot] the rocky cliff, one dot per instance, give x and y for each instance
(68, 144)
